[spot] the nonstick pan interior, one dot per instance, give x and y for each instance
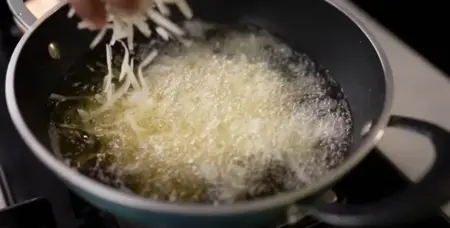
(312, 27)
(85, 78)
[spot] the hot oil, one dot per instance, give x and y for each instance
(78, 148)
(278, 127)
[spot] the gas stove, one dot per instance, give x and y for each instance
(32, 197)
(27, 206)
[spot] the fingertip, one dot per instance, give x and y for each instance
(128, 7)
(92, 11)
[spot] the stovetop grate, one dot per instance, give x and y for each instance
(360, 186)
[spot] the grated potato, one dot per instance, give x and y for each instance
(216, 120)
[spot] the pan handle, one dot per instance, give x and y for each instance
(21, 13)
(416, 202)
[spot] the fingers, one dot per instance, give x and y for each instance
(92, 11)
(127, 7)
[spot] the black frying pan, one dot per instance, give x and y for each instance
(322, 29)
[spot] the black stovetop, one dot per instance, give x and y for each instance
(42, 201)
(37, 199)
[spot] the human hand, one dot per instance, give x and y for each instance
(94, 13)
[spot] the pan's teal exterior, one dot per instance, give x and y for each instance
(147, 218)
(265, 218)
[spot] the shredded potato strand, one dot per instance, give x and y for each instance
(123, 26)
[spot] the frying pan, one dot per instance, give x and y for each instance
(324, 30)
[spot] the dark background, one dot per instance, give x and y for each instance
(7, 41)
(424, 25)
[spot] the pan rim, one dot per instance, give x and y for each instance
(98, 190)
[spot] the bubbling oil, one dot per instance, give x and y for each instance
(233, 117)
